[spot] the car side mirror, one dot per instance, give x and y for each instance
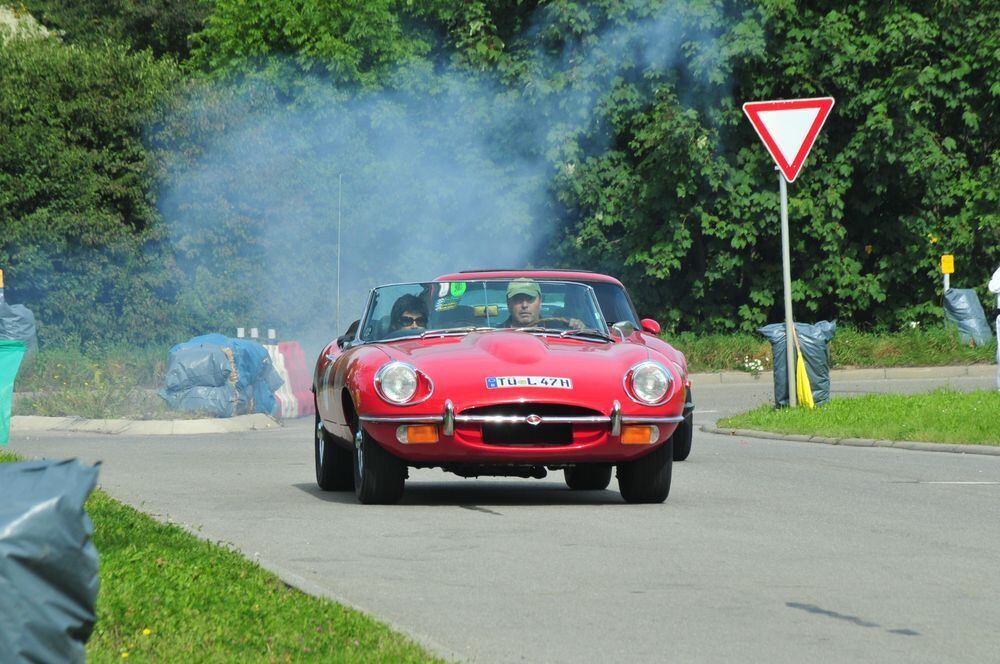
(346, 338)
(650, 325)
(623, 329)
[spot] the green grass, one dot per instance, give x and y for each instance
(167, 596)
(942, 416)
(920, 347)
(113, 382)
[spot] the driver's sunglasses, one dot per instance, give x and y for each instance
(411, 320)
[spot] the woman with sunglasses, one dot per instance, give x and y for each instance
(408, 313)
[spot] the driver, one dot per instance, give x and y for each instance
(524, 302)
(408, 313)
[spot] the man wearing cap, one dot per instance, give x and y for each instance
(524, 302)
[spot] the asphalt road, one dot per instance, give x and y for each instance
(766, 551)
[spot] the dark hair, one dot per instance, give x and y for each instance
(406, 303)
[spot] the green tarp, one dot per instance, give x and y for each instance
(11, 353)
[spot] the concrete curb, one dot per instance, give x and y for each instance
(896, 373)
(858, 442)
(236, 424)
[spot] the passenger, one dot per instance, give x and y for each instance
(409, 313)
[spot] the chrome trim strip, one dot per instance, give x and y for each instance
(395, 419)
(616, 419)
(642, 419)
(544, 419)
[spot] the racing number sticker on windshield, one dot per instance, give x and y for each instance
(529, 381)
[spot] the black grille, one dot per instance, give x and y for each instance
(525, 434)
(541, 409)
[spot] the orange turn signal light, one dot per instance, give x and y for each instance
(633, 434)
(417, 433)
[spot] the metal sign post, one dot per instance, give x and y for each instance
(786, 270)
(788, 129)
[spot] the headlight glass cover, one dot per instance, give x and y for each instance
(396, 382)
(650, 382)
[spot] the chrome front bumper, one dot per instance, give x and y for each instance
(448, 419)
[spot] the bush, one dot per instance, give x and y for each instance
(79, 241)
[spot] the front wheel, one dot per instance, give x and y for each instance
(378, 475)
(588, 477)
(647, 479)
(682, 438)
(333, 463)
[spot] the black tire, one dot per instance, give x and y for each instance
(647, 479)
(334, 464)
(682, 438)
(588, 477)
(378, 475)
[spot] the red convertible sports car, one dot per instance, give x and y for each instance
(617, 307)
(496, 376)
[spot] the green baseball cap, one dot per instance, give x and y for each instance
(523, 286)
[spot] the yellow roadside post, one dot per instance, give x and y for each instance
(947, 269)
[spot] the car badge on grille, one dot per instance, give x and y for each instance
(533, 420)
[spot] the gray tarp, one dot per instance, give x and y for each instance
(813, 339)
(17, 323)
(48, 563)
(963, 308)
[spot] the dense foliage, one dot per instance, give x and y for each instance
(606, 135)
(78, 221)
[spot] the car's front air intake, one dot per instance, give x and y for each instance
(529, 424)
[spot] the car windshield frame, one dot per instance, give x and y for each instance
(601, 331)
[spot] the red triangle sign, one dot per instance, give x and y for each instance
(789, 128)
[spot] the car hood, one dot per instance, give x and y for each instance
(461, 368)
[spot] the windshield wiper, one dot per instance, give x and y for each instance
(455, 330)
(587, 332)
(537, 328)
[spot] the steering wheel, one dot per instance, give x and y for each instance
(554, 319)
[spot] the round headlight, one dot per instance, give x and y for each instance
(397, 382)
(650, 382)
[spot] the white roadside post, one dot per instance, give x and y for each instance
(788, 128)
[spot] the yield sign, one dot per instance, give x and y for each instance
(788, 128)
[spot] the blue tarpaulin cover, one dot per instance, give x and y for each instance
(221, 376)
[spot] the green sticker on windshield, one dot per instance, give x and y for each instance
(458, 288)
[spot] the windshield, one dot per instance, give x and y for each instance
(614, 303)
(407, 310)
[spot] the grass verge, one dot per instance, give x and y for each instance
(942, 416)
(920, 347)
(168, 596)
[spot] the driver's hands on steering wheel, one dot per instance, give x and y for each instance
(572, 323)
